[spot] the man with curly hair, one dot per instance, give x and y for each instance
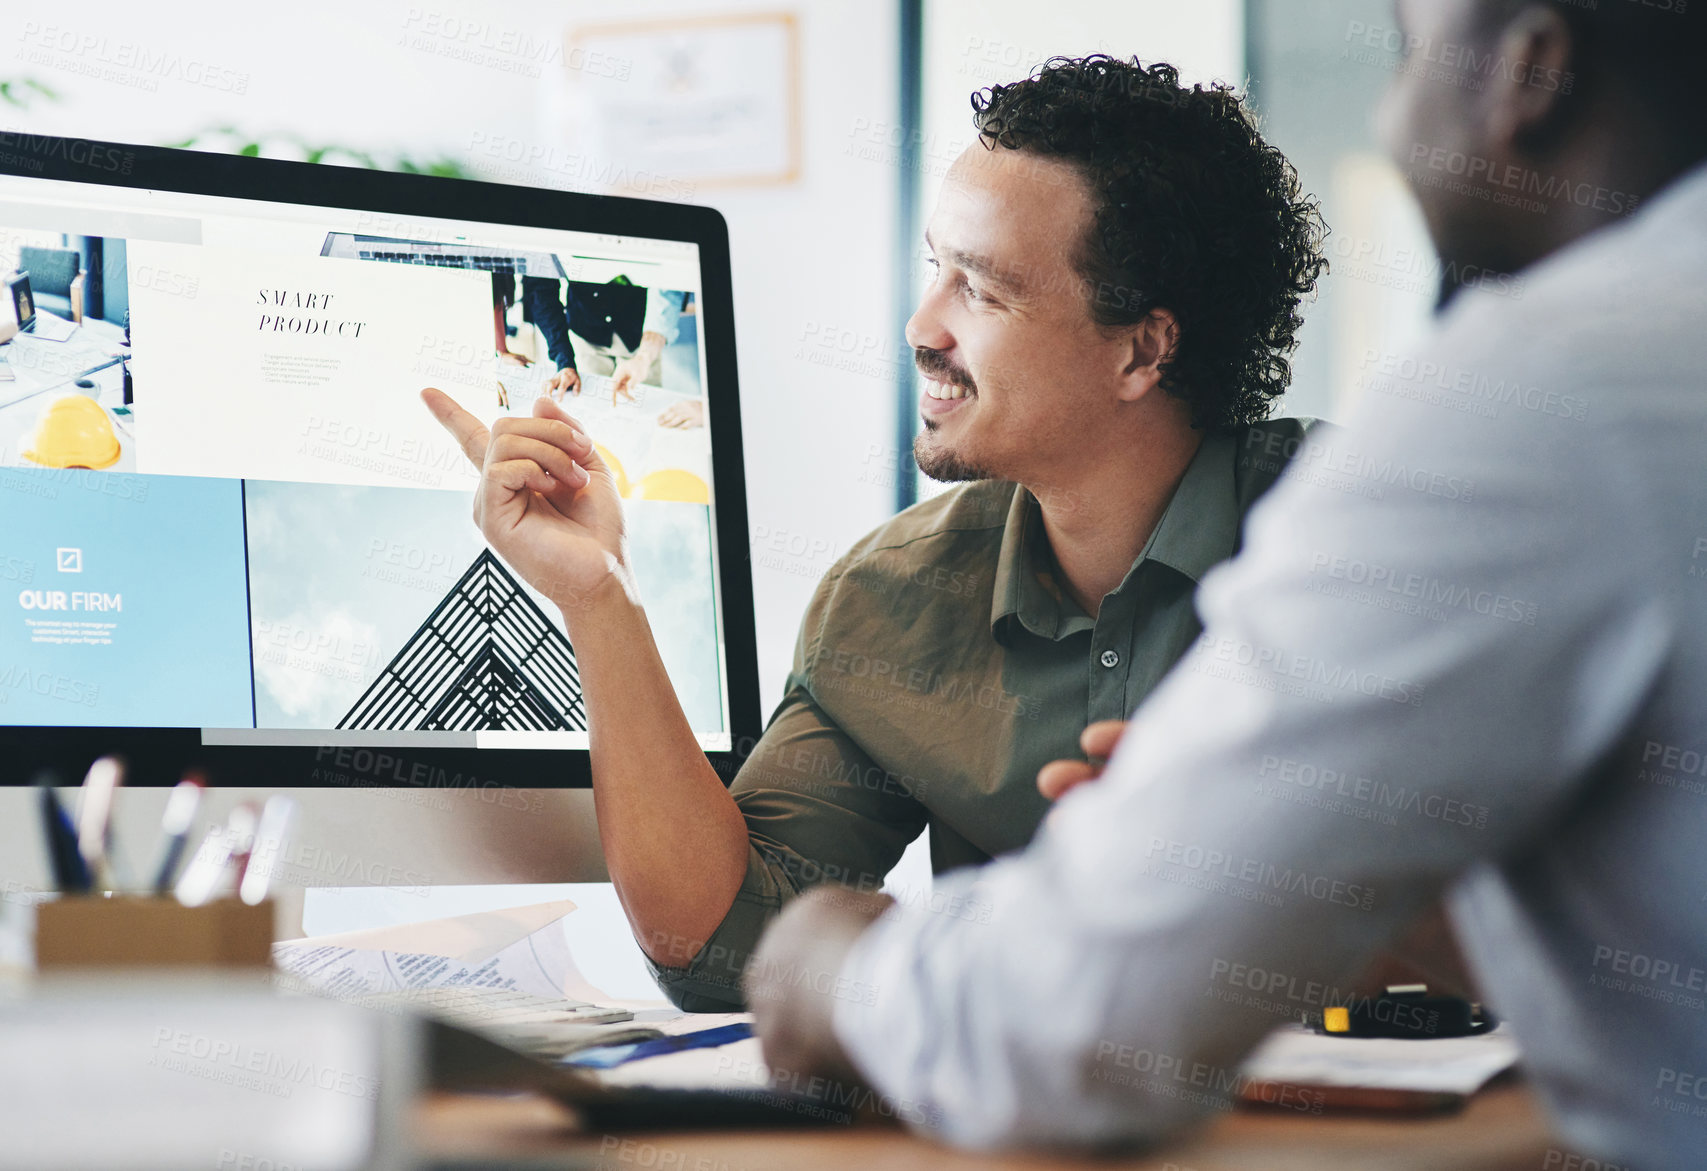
(1119, 264)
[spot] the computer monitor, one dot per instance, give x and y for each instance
(232, 539)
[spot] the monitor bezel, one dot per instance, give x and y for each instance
(161, 756)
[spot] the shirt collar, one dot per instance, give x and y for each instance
(1199, 529)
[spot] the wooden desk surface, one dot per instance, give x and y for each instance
(1500, 1128)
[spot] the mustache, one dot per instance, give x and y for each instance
(935, 364)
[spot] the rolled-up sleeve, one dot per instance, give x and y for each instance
(818, 809)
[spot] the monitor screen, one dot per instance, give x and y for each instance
(233, 532)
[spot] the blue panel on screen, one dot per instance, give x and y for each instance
(123, 601)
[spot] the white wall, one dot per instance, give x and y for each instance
(811, 258)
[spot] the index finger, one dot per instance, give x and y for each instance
(470, 434)
(1098, 740)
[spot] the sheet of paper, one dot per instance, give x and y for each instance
(53, 328)
(475, 938)
(496, 967)
(1459, 1065)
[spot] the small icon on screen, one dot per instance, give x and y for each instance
(70, 561)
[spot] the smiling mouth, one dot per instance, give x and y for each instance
(947, 391)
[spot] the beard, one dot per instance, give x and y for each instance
(942, 465)
(935, 461)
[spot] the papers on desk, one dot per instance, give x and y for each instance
(51, 328)
(1453, 1065)
(506, 973)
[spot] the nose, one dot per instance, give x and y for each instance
(925, 328)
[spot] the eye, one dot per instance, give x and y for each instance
(963, 286)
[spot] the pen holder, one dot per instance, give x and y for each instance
(129, 931)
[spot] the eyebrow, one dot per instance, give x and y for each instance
(977, 265)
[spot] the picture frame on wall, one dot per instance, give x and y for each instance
(668, 107)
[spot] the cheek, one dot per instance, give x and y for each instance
(1018, 360)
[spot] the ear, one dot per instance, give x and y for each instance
(1150, 344)
(1523, 100)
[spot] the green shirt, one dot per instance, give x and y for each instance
(939, 667)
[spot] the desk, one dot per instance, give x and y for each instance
(1501, 1128)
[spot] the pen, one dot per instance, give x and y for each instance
(270, 837)
(94, 817)
(202, 876)
(240, 832)
(611, 1056)
(69, 873)
(175, 826)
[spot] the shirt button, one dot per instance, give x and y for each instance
(1110, 659)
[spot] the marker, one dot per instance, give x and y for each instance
(94, 817)
(206, 871)
(175, 826)
(69, 873)
(611, 1056)
(270, 836)
(240, 832)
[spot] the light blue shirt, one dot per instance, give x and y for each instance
(1464, 650)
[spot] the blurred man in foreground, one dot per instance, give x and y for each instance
(1485, 604)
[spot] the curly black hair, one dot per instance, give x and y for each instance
(1195, 213)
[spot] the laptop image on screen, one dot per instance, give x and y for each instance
(348, 246)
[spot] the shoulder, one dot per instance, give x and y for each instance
(1262, 450)
(971, 511)
(954, 537)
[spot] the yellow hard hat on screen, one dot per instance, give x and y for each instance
(74, 432)
(675, 484)
(615, 465)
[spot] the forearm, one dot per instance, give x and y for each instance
(651, 347)
(674, 841)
